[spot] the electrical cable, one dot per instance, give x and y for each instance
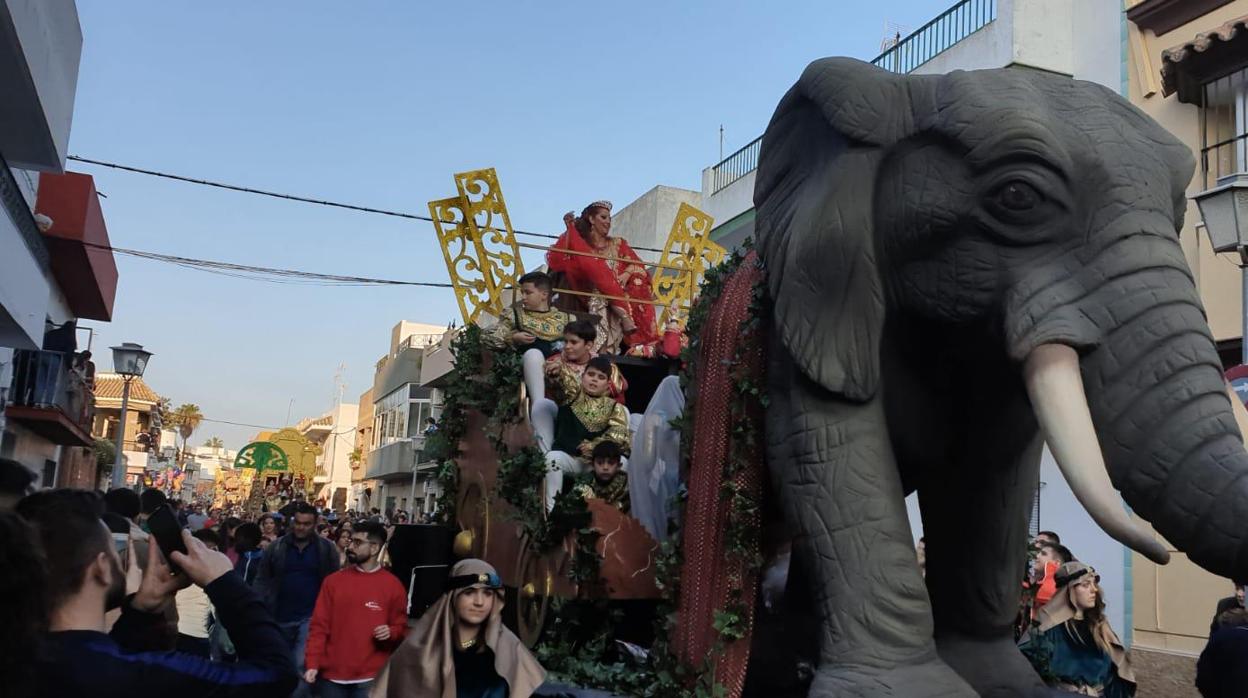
(270, 274)
(238, 424)
(291, 197)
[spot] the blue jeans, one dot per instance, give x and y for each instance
(296, 634)
(329, 689)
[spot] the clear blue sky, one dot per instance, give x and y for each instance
(378, 103)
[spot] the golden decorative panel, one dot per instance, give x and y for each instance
(478, 243)
(690, 250)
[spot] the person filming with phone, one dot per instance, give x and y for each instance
(85, 580)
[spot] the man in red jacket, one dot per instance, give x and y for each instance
(359, 619)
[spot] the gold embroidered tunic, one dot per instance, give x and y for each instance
(546, 325)
(584, 421)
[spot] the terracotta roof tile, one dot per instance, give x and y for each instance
(1172, 58)
(108, 386)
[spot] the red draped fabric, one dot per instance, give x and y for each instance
(709, 579)
(623, 279)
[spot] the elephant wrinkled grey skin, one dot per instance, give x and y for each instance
(935, 246)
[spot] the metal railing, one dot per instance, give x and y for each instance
(1223, 159)
(45, 380)
(736, 166)
(937, 36)
(921, 46)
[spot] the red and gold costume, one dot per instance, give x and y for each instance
(623, 276)
(617, 385)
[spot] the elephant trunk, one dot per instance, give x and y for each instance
(1163, 419)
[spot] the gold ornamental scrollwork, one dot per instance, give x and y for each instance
(478, 243)
(690, 250)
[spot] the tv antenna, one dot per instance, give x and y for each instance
(893, 34)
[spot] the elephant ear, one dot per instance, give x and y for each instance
(813, 197)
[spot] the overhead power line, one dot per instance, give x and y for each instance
(270, 274)
(292, 197)
(238, 424)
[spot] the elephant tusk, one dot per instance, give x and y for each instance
(1055, 387)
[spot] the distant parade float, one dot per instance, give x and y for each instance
(265, 477)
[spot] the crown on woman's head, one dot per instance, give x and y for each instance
(603, 203)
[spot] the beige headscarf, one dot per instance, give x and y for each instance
(1061, 608)
(424, 665)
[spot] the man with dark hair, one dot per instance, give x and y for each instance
(1229, 603)
(1048, 537)
(1222, 671)
(126, 502)
(360, 618)
(290, 576)
(150, 500)
(1049, 558)
(85, 581)
(15, 481)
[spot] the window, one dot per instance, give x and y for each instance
(400, 415)
(1224, 127)
(49, 474)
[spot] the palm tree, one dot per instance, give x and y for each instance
(214, 443)
(187, 419)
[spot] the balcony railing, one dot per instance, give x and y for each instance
(937, 36)
(736, 166)
(46, 380)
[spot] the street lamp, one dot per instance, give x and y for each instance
(1225, 212)
(129, 360)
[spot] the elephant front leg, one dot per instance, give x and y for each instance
(833, 469)
(975, 523)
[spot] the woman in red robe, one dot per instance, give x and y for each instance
(624, 276)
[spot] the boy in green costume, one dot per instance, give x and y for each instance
(586, 416)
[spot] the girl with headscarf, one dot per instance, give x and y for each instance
(1072, 646)
(459, 647)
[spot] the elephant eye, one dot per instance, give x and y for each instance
(1017, 196)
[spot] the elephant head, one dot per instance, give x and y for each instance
(1044, 212)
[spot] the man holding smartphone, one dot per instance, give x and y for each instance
(85, 580)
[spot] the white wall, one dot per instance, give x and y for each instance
(729, 202)
(647, 221)
(339, 444)
(49, 38)
(1072, 37)
(24, 290)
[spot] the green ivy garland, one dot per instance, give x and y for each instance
(495, 392)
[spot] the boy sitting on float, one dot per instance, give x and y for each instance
(534, 329)
(581, 416)
(607, 481)
(578, 349)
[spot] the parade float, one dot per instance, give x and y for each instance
(268, 473)
(952, 271)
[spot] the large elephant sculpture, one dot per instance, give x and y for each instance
(963, 267)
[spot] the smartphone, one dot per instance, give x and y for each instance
(121, 542)
(168, 534)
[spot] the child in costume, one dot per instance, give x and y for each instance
(585, 416)
(607, 481)
(533, 328)
(578, 349)
(459, 648)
